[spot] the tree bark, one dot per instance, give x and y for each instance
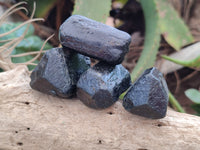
(33, 120)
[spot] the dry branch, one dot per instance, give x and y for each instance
(32, 120)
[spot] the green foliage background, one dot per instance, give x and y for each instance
(30, 42)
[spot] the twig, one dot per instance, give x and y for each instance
(37, 56)
(37, 27)
(12, 7)
(178, 81)
(9, 50)
(20, 13)
(26, 22)
(12, 12)
(189, 76)
(7, 45)
(33, 64)
(28, 53)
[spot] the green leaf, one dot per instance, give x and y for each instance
(196, 107)
(193, 95)
(191, 63)
(24, 59)
(174, 30)
(5, 27)
(175, 103)
(32, 43)
(29, 43)
(93, 9)
(152, 39)
(42, 7)
(122, 1)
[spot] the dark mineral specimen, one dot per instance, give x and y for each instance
(100, 86)
(94, 39)
(57, 73)
(148, 96)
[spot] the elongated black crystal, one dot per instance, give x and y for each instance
(94, 39)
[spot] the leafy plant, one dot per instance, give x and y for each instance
(175, 103)
(29, 43)
(43, 7)
(194, 96)
(172, 27)
(160, 18)
(195, 63)
(196, 107)
(96, 10)
(152, 39)
(13, 37)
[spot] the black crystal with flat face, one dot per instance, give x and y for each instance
(57, 73)
(148, 96)
(94, 39)
(100, 87)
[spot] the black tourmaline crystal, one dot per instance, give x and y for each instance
(148, 96)
(99, 87)
(57, 73)
(94, 39)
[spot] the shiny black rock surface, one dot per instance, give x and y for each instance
(148, 96)
(100, 86)
(94, 39)
(57, 73)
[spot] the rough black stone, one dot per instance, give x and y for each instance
(57, 73)
(94, 39)
(148, 96)
(100, 86)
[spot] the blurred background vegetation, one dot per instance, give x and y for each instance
(164, 33)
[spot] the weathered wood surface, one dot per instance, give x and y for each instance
(30, 120)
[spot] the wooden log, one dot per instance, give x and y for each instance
(31, 120)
